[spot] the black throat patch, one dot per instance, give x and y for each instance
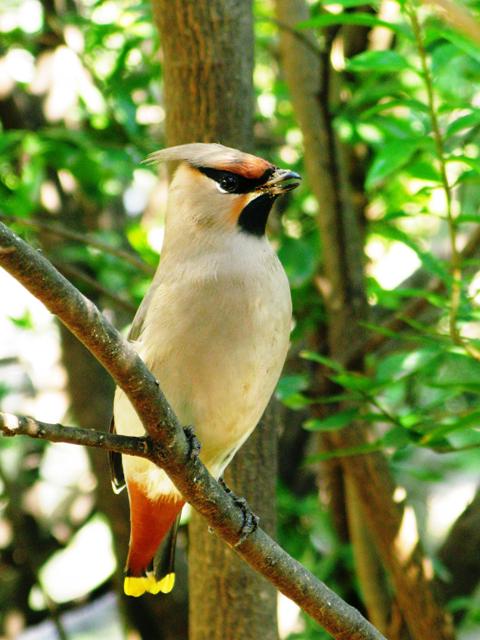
(254, 216)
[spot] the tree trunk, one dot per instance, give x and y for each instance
(307, 75)
(208, 67)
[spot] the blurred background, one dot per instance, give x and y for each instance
(81, 106)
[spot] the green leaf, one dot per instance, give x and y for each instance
(287, 385)
(23, 322)
(380, 61)
(434, 299)
(437, 435)
(391, 157)
(357, 18)
(289, 390)
(468, 121)
(333, 422)
(398, 366)
(414, 106)
(462, 218)
(463, 43)
(466, 177)
(424, 170)
(410, 420)
(397, 437)
(353, 381)
(471, 162)
(317, 357)
(344, 453)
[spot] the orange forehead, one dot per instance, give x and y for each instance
(248, 167)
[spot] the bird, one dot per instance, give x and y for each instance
(213, 328)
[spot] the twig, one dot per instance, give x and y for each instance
(12, 425)
(83, 238)
(170, 447)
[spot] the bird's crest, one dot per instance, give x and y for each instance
(214, 156)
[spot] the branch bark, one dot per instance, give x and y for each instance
(170, 447)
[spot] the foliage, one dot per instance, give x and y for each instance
(407, 110)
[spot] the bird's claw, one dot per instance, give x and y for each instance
(193, 441)
(224, 485)
(250, 519)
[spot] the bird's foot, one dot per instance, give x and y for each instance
(193, 441)
(250, 519)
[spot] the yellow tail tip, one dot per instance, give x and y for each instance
(137, 586)
(165, 585)
(134, 586)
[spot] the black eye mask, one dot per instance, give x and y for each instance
(233, 182)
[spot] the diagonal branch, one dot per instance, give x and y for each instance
(170, 448)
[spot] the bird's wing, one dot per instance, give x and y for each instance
(139, 319)
(117, 475)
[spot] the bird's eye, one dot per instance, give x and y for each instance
(228, 183)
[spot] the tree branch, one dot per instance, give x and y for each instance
(12, 425)
(170, 448)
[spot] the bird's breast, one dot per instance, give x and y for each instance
(217, 348)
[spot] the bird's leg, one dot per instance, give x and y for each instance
(193, 441)
(250, 519)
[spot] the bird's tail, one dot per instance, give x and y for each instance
(150, 522)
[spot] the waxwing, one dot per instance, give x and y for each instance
(213, 329)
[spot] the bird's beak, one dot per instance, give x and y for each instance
(281, 181)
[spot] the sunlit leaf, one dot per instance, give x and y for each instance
(23, 322)
(474, 163)
(463, 43)
(345, 453)
(468, 121)
(379, 61)
(424, 170)
(397, 437)
(437, 435)
(391, 157)
(353, 381)
(333, 422)
(321, 359)
(289, 390)
(357, 18)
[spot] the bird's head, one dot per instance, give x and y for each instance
(220, 187)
